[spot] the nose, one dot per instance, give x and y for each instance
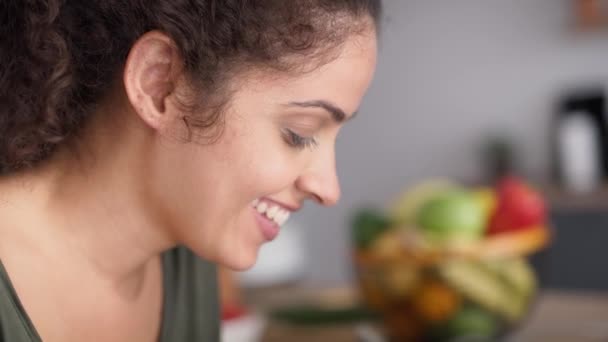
(320, 181)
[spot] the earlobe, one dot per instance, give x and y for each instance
(150, 76)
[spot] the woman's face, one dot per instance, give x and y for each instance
(224, 200)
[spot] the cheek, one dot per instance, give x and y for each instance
(259, 160)
(272, 172)
(205, 191)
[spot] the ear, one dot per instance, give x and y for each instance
(150, 77)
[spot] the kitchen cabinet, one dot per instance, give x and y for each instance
(576, 258)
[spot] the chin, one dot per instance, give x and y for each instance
(240, 265)
(241, 261)
(237, 259)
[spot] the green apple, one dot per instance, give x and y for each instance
(404, 208)
(453, 216)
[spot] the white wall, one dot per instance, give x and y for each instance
(449, 72)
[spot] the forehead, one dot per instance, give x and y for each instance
(342, 81)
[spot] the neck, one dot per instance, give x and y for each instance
(92, 213)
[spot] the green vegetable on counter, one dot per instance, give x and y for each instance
(314, 315)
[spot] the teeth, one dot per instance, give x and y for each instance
(273, 212)
(278, 218)
(262, 207)
(283, 216)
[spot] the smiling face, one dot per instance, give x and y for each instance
(276, 151)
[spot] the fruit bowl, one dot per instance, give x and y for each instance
(425, 294)
(456, 289)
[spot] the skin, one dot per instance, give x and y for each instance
(91, 225)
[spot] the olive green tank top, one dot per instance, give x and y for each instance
(190, 303)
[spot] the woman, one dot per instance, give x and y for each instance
(129, 128)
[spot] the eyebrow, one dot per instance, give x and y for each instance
(336, 113)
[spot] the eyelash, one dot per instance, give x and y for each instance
(298, 141)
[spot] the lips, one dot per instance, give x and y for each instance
(269, 228)
(270, 216)
(272, 211)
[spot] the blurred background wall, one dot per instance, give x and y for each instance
(450, 74)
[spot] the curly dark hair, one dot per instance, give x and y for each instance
(59, 58)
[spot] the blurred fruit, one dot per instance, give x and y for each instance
(480, 286)
(368, 225)
(400, 279)
(435, 302)
(372, 293)
(519, 207)
(428, 269)
(488, 201)
(517, 274)
(388, 244)
(470, 324)
(454, 216)
(405, 208)
(512, 244)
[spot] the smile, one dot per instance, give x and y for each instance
(272, 211)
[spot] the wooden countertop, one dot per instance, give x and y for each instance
(557, 316)
(567, 316)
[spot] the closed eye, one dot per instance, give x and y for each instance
(297, 141)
